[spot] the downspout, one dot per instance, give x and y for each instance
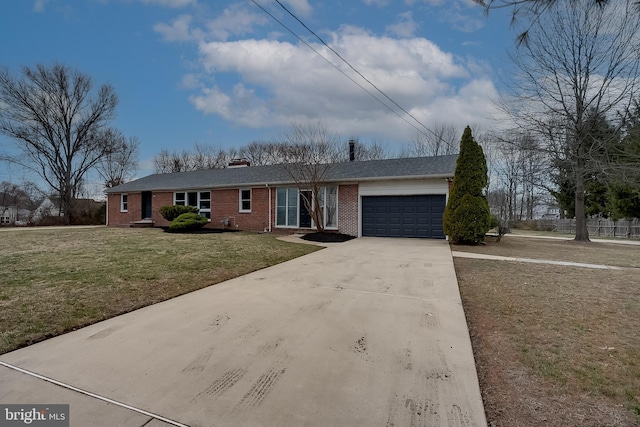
(106, 212)
(269, 222)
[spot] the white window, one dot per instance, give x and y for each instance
(198, 199)
(124, 202)
(245, 200)
(287, 207)
(329, 201)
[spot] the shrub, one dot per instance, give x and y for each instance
(187, 222)
(171, 212)
(472, 220)
(467, 217)
(501, 225)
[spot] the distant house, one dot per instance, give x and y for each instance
(8, 215)
(49, 207)
(394, 197)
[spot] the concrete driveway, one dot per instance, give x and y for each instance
(365, 333)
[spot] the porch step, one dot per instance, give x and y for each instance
(142, 223)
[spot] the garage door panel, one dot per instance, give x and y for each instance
(403, 216)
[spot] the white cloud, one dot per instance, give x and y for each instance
(379, 3)
(177, 31)
(38, 5)
(190, 81)
(280, 83)
(171, 3)
(461, 20)
(241, 106)
(404, 26)
(301, 7)
(235, 20)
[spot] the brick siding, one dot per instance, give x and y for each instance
(348, 209)
(225, 205)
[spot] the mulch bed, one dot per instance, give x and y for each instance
(325, 237)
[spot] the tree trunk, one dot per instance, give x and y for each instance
(582, 233)
(317, 211)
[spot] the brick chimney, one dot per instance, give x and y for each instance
(352, 150)
(239, 163)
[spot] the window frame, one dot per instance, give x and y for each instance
(288, 207)
(324, 190)
(124, 202)
(186, 196)
(241, 200)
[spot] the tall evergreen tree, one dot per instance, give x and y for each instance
(604, 137)
(624, 193)
(467, 217)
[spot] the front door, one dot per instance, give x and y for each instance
(146, 205)
(305, 216)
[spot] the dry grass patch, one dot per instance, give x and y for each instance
(554, 346)
(55, 281)
(559, 250)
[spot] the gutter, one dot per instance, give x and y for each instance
(269, 222)
(269, 184)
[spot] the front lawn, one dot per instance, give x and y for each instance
(59, 280)
(554, 345)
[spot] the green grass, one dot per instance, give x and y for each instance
(59, 280)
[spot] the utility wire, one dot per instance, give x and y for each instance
(359, 73)
(342, 72)
(352, 67)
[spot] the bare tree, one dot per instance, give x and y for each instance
(531, 11)
(520, 175)
(119, 165)
(56, 119)
(209, 157)
(309, 152)
(579, 61)
(166, 162)
(443, 140)
(260, 153)
(374, 150)
(200, 157)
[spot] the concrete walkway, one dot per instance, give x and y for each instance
(567, 237)
(370, 332)
(458, 254)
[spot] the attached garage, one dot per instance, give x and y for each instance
(403, 216)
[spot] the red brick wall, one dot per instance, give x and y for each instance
(134, 208)
(226, 204)
(134, 204)
(348, 209)
(159, 200)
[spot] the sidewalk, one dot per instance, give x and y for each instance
(569, 237)
(457, 254)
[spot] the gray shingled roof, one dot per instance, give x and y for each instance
(415, 167)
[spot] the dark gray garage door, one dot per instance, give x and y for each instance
(403, 216)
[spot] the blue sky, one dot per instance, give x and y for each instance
(224, 73)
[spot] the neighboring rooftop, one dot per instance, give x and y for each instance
(413, 167)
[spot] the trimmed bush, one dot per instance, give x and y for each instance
(187, 222)
(467, 217)
(171, 212)
(472, 220)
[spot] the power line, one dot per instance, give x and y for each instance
(350, 66)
